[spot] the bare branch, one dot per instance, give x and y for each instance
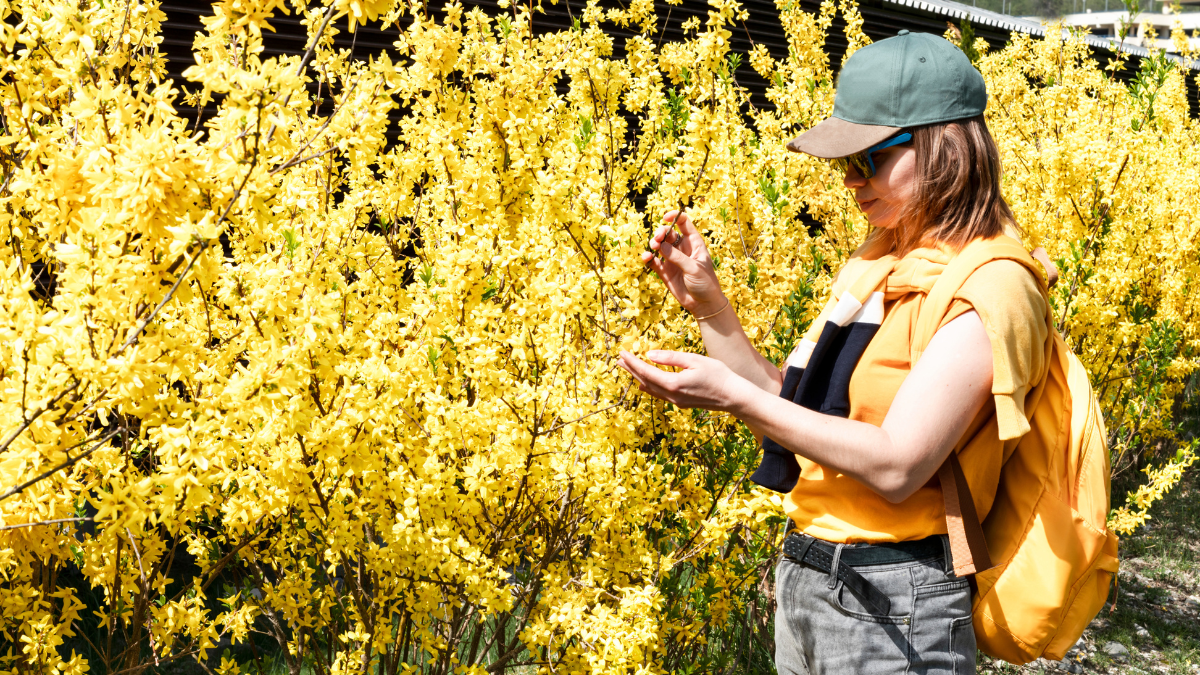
(32, 418)
(191, 263)
(308, 54)
(312, 47)
(560, 425)
(46, 522)
(293, 162)
(137, 332)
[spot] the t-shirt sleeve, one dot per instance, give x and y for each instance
(1008, 299)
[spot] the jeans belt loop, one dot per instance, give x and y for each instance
(946, 555)
(833, 567)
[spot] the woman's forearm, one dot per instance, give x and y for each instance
(726, 341)
(931, 411)
(860, 450)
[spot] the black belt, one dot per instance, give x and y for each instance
(819, 554)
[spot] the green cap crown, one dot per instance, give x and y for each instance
(909, 80)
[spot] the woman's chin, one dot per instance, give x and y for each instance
(881, 216)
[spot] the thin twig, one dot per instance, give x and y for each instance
(137, 332)
(212, 574)
(46, 522)
(95, 400)
(699, 177)
(1062, 321)
(145, 591)
(13, 436)
(70, 462)
(308, 54)
(191, 263)
(556, 427)
(16, 165)
(137, 553)
(293, 162)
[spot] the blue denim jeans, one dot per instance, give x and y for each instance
(821, 627)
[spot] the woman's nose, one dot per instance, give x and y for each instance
(853, 178)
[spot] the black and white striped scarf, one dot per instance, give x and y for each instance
(818, 371)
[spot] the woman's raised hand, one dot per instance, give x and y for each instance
(685, 267)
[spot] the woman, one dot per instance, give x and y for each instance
(854, 428)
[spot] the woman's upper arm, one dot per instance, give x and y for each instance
(939, 398)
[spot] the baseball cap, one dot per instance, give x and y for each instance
(905, 81)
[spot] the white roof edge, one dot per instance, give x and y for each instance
(1017, 25)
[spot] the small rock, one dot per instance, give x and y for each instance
(1141, 632)
(1116, 650)
(1068, 665)
(1193, 602)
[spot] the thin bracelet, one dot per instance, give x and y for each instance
(704, 318)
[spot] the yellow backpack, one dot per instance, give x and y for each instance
(1047, 533)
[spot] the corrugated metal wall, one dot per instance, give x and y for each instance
(881, 19)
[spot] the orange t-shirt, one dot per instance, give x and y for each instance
(835, 507)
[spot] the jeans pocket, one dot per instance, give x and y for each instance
(895, 584)
(962, 645)
(943, 639)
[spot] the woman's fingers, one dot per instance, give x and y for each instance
(647, 373)
(673, 232)
(674, 255)
(641, 370)
(676, 359)
(655, 264)
(651, 380)
(669, 274)
(669, 255)
(689, 388)
(682, 222)
(663, 241)
(664, 235)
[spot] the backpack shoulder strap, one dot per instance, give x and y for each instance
(968, 545)
(976, 254)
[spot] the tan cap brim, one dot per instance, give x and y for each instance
(836, 137)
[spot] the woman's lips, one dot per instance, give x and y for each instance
(866, 205)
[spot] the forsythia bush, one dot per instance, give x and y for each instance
(325, 382)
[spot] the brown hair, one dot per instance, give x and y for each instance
(956, 196)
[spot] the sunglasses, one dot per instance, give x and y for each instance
(862, 160)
